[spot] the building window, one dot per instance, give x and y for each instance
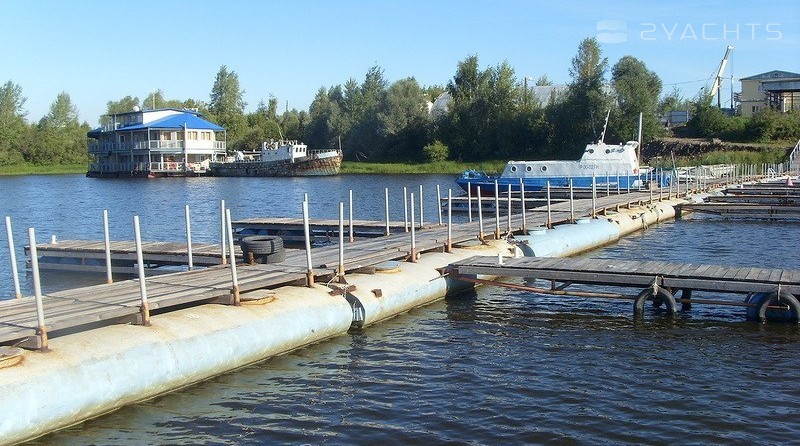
(755, 109)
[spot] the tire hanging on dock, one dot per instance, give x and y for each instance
(659, 296)
(759, 310)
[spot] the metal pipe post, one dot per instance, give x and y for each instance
(469, 201)
(496, 210)
(522, 197)
(480, 215)
(571, 203)
(439, 202)
(509, 209)
(405, 208)
(107, 246)
(421, 205)
(137, 237)
(413, 232)
(549, 215)
(13, 257)
(307, 233)
(608, 185)
(617, 182)
(222, 239)
(386, 206)
(234, 276)
(41, 329)
(189, 238)
(594, 195)
(449, 220)
(350, 220)
(340, 270)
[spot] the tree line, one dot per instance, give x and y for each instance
(491, 114)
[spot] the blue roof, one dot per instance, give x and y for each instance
(171, 122)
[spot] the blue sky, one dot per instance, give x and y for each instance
(100, 51)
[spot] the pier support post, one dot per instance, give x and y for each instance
(350, 217)
(594, 196)
(41, 329)
(686, 297)
(340, 269)
(522, 199)
(449, 247)
(405, 208)
(307, 233)
(413, 232)
(549, 224)
(222, 239)
(107, 246)
(137, 237)
(617, 182)
(234, 276)
(189, 237)
(480, 215)
(508, 229)
(496, 210)
(421, 199)
(386, 206)
(439, 202)
(608, 185)
(13, 257)
(469, 201)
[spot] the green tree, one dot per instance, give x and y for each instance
(62, 114)
(124, 105)
(637, 90)
(12, 123)
(543, 81)
(404, 121)
(154, 100)
(227, 103)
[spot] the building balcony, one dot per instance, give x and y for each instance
(152, 145)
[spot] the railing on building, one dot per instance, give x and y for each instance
(158, 145)
(118, 167)
(794, 159)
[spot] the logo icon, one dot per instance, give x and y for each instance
(612, 31)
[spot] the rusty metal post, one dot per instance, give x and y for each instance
(405, 208)
(449, 220)
(222, 224)
(549, 224)
(189, 238)
(413, 232)
(439, 202)
(41, 329)
(469, 201)
(137, 236)
(13, 256)
(307, 233)
(107, 246)
(480, 215)
(234, 276)
(386, 206)
(571, 203)
(350, 218)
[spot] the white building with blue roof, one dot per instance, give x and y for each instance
(156, 143)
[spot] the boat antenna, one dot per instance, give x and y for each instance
(605, 124)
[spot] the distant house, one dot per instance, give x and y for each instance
(161, 142)
(778, 90)
(541, 95)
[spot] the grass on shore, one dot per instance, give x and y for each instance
(32, 169)
(765, 156)
(446, 167)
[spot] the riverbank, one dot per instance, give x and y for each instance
(694, 151)
(32, 169)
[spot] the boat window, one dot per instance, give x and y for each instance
(591, 150)
(513, 168)
(608, 151)
(529, 169)
(544, 168)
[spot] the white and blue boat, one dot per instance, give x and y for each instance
(604, 165)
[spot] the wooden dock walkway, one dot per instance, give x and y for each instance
(120, 301)
(656, 280)
(773, 201)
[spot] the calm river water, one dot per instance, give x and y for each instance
(492, 367)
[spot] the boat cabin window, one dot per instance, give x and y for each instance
(544, 168)
(590, 150)
(608, 151)
(513, 168)
(529, 169)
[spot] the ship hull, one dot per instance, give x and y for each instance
(310, 166)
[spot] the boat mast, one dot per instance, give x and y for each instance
(605, 124)
(639, 147)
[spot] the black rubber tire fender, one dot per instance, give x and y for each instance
(656, 294)
(261, 245)
(785, 297)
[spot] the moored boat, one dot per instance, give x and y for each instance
(280, 159)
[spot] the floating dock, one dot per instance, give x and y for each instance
(656, 280)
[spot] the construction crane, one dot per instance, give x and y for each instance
(715, 90)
